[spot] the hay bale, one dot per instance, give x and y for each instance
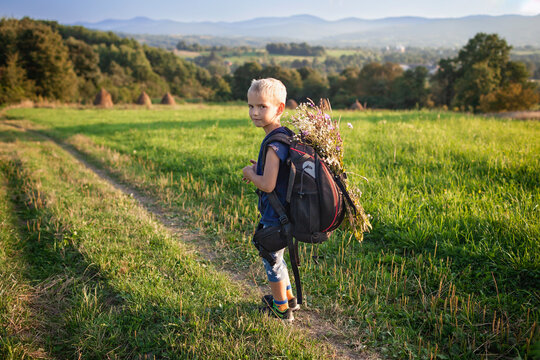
(356, 106)
(291, 104)
(168, 99)
(144, 99)
(103, 99)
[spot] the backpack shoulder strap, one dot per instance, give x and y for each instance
(280, 137)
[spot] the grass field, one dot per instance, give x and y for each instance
(263, 54)
(450, 270)
(86, 273)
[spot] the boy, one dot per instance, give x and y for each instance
(266, 100)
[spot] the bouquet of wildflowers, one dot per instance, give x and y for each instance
(315, 127)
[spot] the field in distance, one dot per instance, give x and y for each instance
(451, 267)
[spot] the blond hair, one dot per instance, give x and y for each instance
(271, 88)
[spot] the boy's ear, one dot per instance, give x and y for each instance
(281, 108)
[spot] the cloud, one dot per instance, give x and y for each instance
(530, 7)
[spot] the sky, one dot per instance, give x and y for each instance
(70, 11)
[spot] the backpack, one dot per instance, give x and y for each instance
(314, 205)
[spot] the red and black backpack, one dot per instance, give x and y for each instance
(314, 204)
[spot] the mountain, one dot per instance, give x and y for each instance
(518, 30)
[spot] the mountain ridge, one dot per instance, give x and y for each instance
(519, 30)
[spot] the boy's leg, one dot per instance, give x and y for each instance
(279, 290)
(278, 277)
(277, 287)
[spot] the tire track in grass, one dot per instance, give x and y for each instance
(308, 319)
(16, 317)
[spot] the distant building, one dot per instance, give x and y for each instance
(432, 68)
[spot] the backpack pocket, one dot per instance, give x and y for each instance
(305, 212)
(269, 238)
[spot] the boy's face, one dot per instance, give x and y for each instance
(263, 111)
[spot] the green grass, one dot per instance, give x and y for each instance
(14, 315)
(87, 273)
(451, 268)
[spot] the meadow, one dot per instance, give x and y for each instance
(450, 269)
(257, 55)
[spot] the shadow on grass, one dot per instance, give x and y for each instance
(77, 310)
(10, 136)
(119, 127)
(57, 271)
(472, 266)
(473, 269)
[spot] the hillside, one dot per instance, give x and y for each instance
(409, 31)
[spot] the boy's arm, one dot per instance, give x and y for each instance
(267, 181)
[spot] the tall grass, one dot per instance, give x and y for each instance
(451, 268)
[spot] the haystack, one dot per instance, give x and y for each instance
(356, 106)
(168, 99)
(291, 104)
(103, 99)
(144, 99)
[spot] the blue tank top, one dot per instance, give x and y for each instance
(268, 216)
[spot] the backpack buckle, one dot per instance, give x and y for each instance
(283, 219)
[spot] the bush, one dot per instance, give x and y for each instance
(512, 97)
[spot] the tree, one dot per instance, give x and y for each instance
(86, 65)
(410, 89)
(483, 77)
(514, 96)
(485, 48)
(289, 77)
(442, 83)
(214, 63)
(477, 80)
(46, 60)
(315, 85)
(8, 39)
(514, 72)
(14, 86)
(299, 49)
(242, 79)
(222, 89)
(375, 82)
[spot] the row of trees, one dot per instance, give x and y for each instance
(480, 78)
(298, 49)
(196, 47)
(48, 60)
(378, 85)
(387, 85)
(70, 63)
(330, 64)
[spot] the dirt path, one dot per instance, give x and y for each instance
(308, 319)
(517, 115)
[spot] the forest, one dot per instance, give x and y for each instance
(47, 60)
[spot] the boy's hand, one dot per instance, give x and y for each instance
(249, 171)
